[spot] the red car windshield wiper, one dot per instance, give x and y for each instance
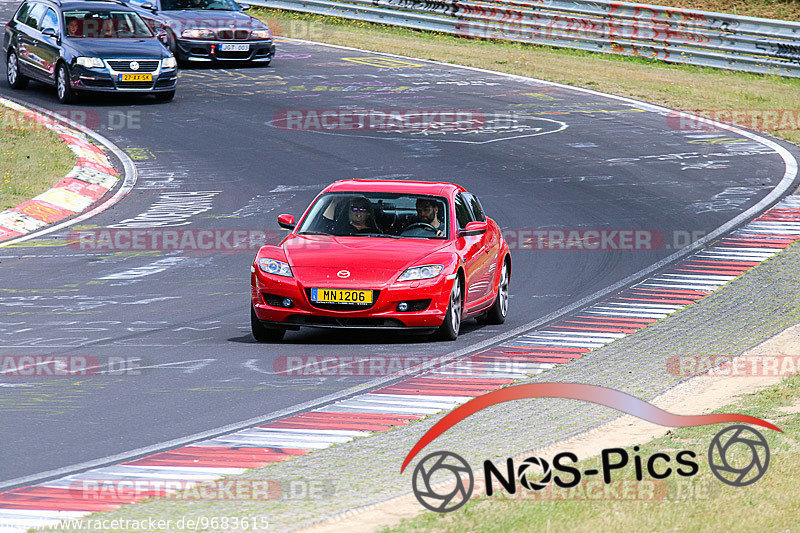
(381, 235)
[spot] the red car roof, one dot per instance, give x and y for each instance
(398, 186)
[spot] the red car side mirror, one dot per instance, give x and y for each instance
(473, 229)
(286, 221)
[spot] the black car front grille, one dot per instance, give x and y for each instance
(230, 35)
(125, 66)
(233, 55)
(134, 85)
(343, 307)
(97, 83)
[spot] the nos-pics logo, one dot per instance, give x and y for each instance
(443, 481)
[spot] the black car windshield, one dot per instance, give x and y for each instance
(213, 5)
(105, 25)
(370, 214)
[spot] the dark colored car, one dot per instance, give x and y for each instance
(82, 46)
(206, 31)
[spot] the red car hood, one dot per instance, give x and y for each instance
(373, 260)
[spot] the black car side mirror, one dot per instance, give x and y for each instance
(149, 6)
(162, 36)
(245, 7)
(50, 32)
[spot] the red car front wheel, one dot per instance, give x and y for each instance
(499, 310)
(262, 333)
(448, 331)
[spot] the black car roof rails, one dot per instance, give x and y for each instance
(120, 2)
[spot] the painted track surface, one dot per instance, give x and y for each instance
(184, 315)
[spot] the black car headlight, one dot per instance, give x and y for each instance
(90, 62)
(198, 33)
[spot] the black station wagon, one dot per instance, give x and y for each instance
(87, 46)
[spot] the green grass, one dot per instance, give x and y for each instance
(699, 503)
(771, 9)
(32, 158)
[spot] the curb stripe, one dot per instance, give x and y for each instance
(70, 195)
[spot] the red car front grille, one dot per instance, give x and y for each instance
(343, 307)
(344, 322)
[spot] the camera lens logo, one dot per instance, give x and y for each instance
(738, 455)
(429, 472)
(538, 462)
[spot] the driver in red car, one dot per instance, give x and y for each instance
(428, 213)
(359, 214)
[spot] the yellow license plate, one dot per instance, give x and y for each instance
(135, 77)
(341, 296)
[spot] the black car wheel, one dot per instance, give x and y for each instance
(261, 333)
(172, 46)
(449, 329)
(63, 88)
(15, 78)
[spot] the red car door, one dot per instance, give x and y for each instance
(489, 243)
(471, 250)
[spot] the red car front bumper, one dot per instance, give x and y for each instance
(268, 290)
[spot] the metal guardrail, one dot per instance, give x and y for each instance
(655, 32)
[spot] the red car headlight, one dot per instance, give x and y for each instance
(273, 266)
(421, 272)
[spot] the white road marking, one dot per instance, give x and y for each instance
(153, 268)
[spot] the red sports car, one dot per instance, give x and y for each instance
(374, 254)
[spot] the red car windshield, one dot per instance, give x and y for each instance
(372, 214)
(105, 25)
